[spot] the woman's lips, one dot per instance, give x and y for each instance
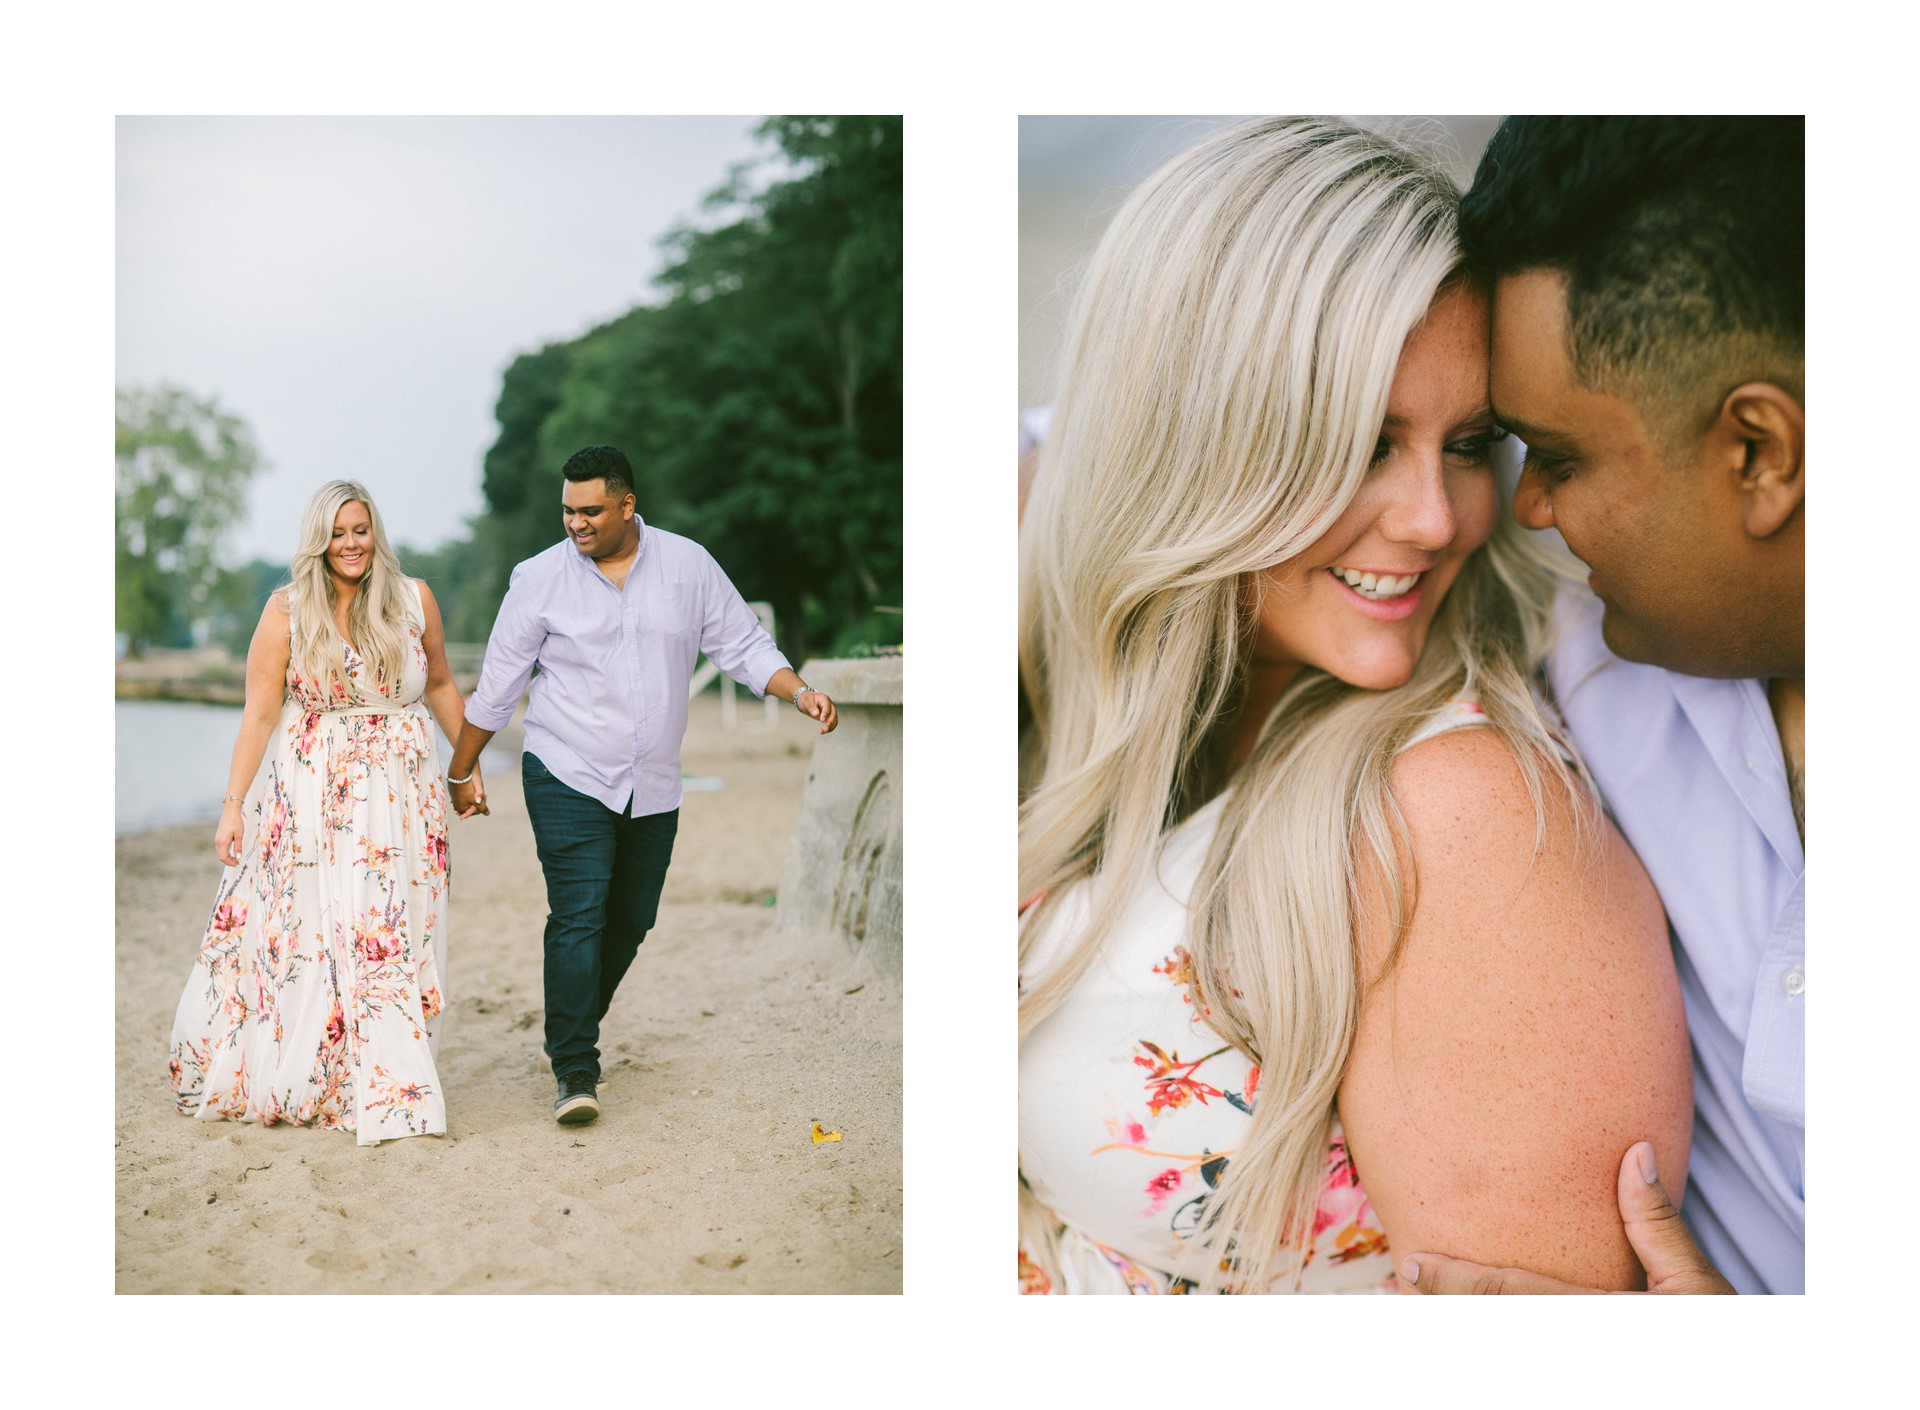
(1393, 609)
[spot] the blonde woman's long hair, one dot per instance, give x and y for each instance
(1224, 384)
(382, 606)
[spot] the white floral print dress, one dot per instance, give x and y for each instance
(1131, 1105)
(316, 990)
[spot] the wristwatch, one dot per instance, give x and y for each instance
(804, 689)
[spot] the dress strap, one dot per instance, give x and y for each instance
(1463, 711)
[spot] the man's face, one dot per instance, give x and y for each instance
(596, 520)
(1664, 539)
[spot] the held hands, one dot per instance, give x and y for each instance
(469, 797)
(1660, 1239)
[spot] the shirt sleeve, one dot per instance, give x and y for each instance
(512, 648)
(732, 638)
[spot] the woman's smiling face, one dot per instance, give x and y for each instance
(1358, 603)
(350, 549)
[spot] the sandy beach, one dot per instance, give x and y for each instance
(727, 1042)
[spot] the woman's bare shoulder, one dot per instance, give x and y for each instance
(276, 618)
(269, 651)
(1470, 768)
(1506, 878)
(1528, 1030)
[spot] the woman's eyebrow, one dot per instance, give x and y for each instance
(1393, 419)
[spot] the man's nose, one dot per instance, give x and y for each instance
(1531, 504)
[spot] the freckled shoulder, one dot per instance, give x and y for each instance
(1529, 1031)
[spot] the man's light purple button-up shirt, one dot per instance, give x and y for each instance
(608, 708)
(1692, 771)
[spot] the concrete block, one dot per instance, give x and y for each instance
(843, 867)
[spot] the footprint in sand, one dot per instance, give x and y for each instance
(334, 1260)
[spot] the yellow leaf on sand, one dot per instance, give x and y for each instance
(820, 1134)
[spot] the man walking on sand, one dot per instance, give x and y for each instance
(1648, 314)
(614, 618)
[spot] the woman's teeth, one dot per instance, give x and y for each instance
(1376, 587)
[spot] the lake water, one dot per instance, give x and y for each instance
(170, 762)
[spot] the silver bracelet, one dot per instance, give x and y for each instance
(805, 689)
(468, 779)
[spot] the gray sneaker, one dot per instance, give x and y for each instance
(543, 1063)
(576, 1105)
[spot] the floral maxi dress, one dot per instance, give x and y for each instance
(316, 990)
(1132, 1105)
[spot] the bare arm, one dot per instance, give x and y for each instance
(1531, 1031)
(442, 695)
(443, 698)
(267, 657)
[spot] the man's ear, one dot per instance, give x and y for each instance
(1769, 427)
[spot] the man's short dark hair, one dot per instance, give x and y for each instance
(600, 463)
(1683, 241)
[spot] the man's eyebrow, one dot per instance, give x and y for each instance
(1525, 430)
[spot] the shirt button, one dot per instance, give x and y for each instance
(1794, 982)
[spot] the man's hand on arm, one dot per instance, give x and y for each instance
(1660, 1240)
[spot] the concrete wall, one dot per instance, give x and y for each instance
(842, 873)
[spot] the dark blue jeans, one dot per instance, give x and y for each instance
(604, 872)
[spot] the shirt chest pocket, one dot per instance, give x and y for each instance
(671, 609)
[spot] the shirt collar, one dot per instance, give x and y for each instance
(1736, 724)
(1731, 717)
(638, 557)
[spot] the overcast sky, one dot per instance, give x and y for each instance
(353, 288)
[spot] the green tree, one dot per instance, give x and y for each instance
(463, 583)
(241, 598)
(759, 402)
(787, 381)
(181, 468)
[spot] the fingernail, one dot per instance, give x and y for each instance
(1410, 1270)
(1646, 1163)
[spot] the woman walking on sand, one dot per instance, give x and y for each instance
(317, 989)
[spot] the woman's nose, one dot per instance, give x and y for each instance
(1421, 513)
